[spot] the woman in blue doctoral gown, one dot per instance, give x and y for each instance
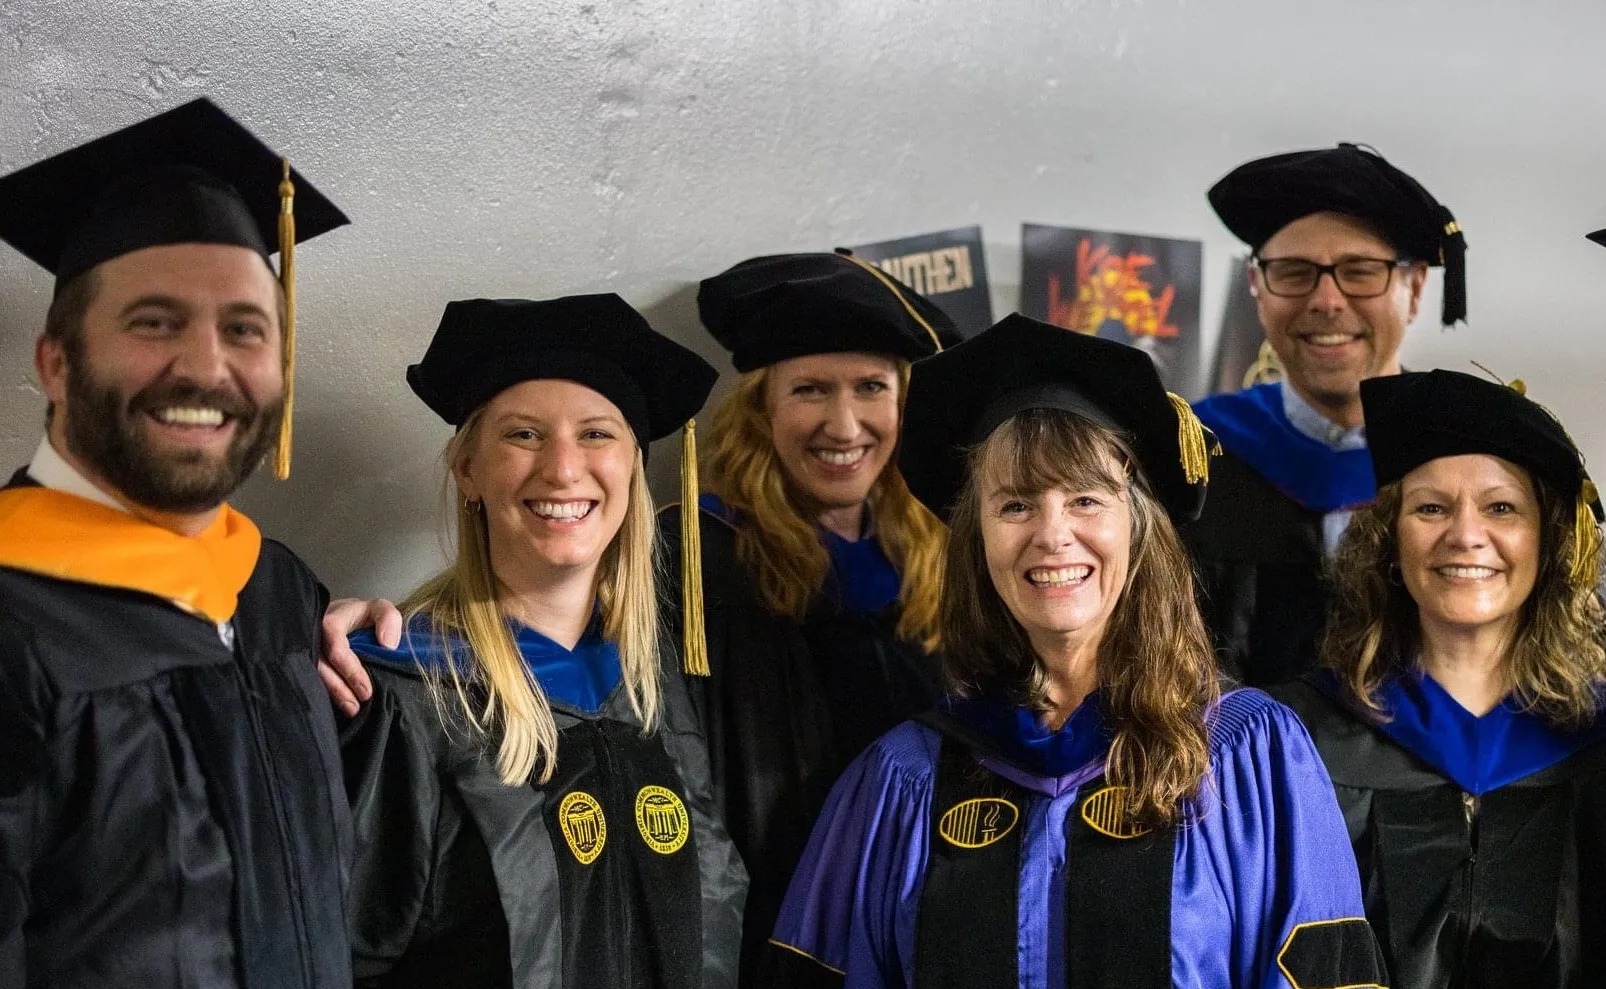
(1087, 808)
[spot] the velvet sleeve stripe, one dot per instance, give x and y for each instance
(1332, 954)
(794, 968)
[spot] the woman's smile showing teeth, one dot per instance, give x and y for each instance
(840, 458)
(561, 511)
(1466, 572)
(1058, 576)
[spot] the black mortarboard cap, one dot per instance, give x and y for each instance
(484, 346)
(1259, 198)
(957, 398)
(190, 175)
(1415, 417)
(769, 309)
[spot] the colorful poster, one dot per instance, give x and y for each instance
(947, 267)
(1243, 357)
(1140, 290)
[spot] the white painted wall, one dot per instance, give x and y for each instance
(538, 148)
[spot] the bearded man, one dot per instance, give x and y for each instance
(1341, 243)
(171, 805)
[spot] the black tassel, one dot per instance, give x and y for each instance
(1453, 247)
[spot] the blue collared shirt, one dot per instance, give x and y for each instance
(1313, 425)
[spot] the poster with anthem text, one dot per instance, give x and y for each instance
(946, 267)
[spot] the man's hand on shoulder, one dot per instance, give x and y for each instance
(340, 669)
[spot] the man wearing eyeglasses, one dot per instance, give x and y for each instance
(1342, 241)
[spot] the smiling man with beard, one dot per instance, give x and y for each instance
(1342, 242)
(171, 807)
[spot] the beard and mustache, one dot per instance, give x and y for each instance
(104, 431)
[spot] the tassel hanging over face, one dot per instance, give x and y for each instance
(694, 641)
(287, 278)
(1191, 439)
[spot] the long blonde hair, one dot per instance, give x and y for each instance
(462, 604)
(778, 541)
(1556, 663)
(1155, 665)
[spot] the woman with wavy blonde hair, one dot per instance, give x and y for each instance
(529, 782)
(820, 570)
(1458, 710)
(1087, 807)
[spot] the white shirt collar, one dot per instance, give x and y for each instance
(52, 470)
(1312, 424)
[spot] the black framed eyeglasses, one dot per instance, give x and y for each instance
(1357, 278)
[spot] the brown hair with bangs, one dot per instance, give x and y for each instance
(1156, 671)
(1556, 663)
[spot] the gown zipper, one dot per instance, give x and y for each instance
(1470, 920)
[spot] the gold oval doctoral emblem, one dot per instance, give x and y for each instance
(583, 825)
(661, 819)
(1105, 812)
(979, 822)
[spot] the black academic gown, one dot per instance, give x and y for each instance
(171, 812)
(1263, 591)
(1504, 890)
(787, 707)
(463, 881)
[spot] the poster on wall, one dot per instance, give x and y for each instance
(1140, 290)
(1243, 357)
(947, 267)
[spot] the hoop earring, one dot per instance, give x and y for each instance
(1392, 575)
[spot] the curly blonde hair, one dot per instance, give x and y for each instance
(777, 539)
(1156, 671)
(1556, 663)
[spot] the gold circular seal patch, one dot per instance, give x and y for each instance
(584, 827)
(1105, 812)
(661, 819)
(978, 823)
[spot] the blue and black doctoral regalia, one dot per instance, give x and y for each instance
(1257, 544)
(976, 848)
(615, 873)
(788, 704)
(1481, 841)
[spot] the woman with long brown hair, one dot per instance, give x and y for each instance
(1087, 808)
(1459, 708)
(820, 570)
(528, 781)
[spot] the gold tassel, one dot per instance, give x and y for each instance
(287, 278)
(1191, 440)
(694, 640)
(1586, 539)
